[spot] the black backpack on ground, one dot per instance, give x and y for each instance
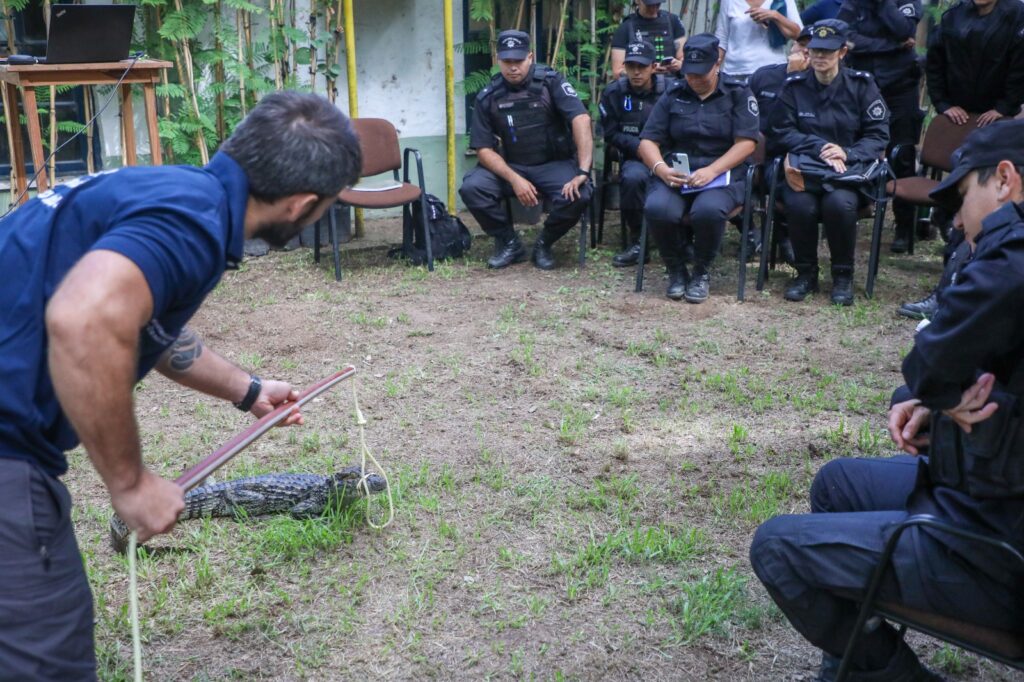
(449, 236)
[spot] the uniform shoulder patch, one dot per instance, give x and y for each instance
(568, 89)
(752, 106)
(877, 110)
(908, 10)
(859, 74)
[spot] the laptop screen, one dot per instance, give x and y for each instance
(89, 33)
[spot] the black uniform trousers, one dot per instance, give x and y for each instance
(483, 193)
(814, 565)
(633, 177)
(707, 211)
(46, 614)
(838, 211)
(905, 119)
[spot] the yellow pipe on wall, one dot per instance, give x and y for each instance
(449, 98)
(350, 70)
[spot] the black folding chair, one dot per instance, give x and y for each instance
(998, 645)
(609, 178)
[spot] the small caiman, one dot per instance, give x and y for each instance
(301, 495)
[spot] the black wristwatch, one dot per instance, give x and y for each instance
(580, 171)
(255, 386)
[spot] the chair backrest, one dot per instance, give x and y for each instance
(941, 140)
(378, 141)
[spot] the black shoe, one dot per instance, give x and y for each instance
(630, 256)
(786, 251)
(920, 310)
(801, 286)
(506, 253)
(677, 281)
(542, 257)
(842, 290)
(753, 247)
(901, 240)
(697, 289)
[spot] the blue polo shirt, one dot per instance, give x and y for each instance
(182, 226)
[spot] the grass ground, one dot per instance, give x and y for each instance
(577, 471)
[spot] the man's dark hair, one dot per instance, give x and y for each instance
(985, 174)
(292, 143)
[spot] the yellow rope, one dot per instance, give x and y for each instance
(133, 600)
(364, 452)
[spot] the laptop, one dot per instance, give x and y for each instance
(89, 33)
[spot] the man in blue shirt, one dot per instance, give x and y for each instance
(102, 275)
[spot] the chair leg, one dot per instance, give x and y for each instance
(592, 210)
(876, 247)
(316, 238)
(584, 220)
(767, 244)
(600, 213)
(426, 231)
(332, 225)
(643, 256)
(748, 207)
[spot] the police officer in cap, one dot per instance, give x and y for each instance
(536, 117)
(713, 121)
(883, 32)
(966, 378)
(653, 25)
(828, 116)
(625, 105)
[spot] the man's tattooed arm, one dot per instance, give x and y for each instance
(186, 349)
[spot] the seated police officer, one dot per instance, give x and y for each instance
(882, 32)
(828, 117)
(530, 109)
(766, 84)
(654, 25)
(625, 105)
(713, 121)
(966, 378)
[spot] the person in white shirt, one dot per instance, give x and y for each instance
(753, 33)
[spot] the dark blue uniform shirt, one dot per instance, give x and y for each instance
(849, 112)
(181, 226)
(977, 62)
(879, 30)
(702, 129)
(823, 9)
(624, 112)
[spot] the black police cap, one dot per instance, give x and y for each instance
(640, 53)
(514, 45)
(700, 53)
(983, 148)
(828, 34)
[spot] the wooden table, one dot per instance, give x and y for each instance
(28, 76)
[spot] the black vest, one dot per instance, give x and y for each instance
(636, 108)
(530, 128)
(657, 32)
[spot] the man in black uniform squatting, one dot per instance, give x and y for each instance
(654, 25)
(530, 109)
(625, 105)
(882, 32)
(966, 376)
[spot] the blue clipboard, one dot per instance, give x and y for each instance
(720, 181)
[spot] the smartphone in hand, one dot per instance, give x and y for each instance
(680, 163)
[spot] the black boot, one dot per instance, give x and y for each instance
(901, 240)
(630, 256)
(507, 250)
(920, 310)
(699, 287)
(542, 256)
(801, 286)
(678, 278)
(842, 286)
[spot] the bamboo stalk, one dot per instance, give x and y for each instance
(53, 135)
(8, 108)
(168, 149)
(294, 63)
(9, 27)
(241, 59)
(218, 72)
(204, 154)
(273, 45)
(519, 15)
(312, 45)
(248, 46)
(332, 90)
(593, 41)
(533, 25)
(561, 33)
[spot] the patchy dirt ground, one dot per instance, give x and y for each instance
(577, 472)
